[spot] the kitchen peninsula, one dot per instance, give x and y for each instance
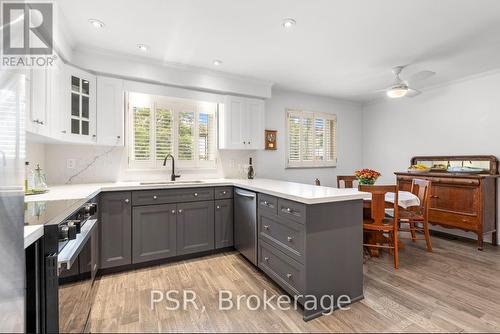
(308, 238)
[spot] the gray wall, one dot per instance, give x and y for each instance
(271, 164)
(460, 118)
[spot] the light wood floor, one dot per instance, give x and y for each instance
(454, 289)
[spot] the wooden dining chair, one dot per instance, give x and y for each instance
(417, 217)
(348, 181)
(378, 222)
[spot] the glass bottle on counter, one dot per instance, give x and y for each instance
(28, 178)
(251, 172)
(39, 180)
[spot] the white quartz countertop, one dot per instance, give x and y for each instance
(31, 234)
(299, 192)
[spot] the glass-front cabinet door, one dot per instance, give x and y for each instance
(80, 113)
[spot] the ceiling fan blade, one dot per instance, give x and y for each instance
(412, 92)
(419, 76)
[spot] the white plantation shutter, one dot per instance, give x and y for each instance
(330, 140)
(142, 133)
(185, 149)
(319, 139)
(163, 139)
(160, 126)
(206, 135)
(293, 137)
(307, 137)
(311, 139)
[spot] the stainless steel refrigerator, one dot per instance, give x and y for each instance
(12, 157)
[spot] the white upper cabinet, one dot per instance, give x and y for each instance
(255, 124)
(241, 124)
(110, 111)
(78, 107)
(38, 88)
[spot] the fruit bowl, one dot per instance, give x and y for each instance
(419, 169)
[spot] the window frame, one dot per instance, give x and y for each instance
(177, 105)
(309, 163)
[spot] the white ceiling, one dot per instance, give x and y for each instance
(343, 49)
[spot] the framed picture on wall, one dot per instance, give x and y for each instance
(270, 139)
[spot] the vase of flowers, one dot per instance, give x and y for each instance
(366, 176)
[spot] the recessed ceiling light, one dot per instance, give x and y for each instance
(288, 23)
(217, 62)
(96, 23)
(143, 47)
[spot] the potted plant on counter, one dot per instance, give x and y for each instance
(367, 176)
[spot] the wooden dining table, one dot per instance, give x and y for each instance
(405, 200)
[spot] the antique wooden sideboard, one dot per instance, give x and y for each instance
(464, 201)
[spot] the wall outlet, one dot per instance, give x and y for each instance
(70, 163)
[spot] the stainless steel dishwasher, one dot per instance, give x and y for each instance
(245, 223)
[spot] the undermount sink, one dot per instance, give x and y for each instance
(170, 182)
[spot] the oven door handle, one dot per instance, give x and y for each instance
(70, 252)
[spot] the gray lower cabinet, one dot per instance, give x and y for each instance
(115, 229)
(312, 251)
(195, 227)
(153, 232)
(224, 223)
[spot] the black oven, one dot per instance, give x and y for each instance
(68, 268)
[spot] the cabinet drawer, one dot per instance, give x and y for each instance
(162, 196)
(458, 199)
(223, 192)
(466, 222)
(292, 210)
(282, 269)
(268, 204)
(286, 235)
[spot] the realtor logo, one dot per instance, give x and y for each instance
(27, 34)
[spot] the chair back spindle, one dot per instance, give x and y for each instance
(347, 180)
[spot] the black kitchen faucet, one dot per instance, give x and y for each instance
(173, 176)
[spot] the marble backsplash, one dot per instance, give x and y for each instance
(65, 164)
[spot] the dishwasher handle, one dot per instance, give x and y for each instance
(244, 194)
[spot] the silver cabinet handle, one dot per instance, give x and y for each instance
(266, 259)
(127, 200)
(195, 194)
(266, 227)
(289, 239)
(93, 136)
(118, 137)
(180, 211)
(63, 131)
(244, 142)
(40, 122)
(245, 195)
(173, 212)
(155, 197)
(289, 275)
(218, 207)
(266, 203)
(288, 210)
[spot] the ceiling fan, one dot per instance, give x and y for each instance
(401, 88)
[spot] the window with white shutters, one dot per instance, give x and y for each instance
(311, 139)
(159, 126)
